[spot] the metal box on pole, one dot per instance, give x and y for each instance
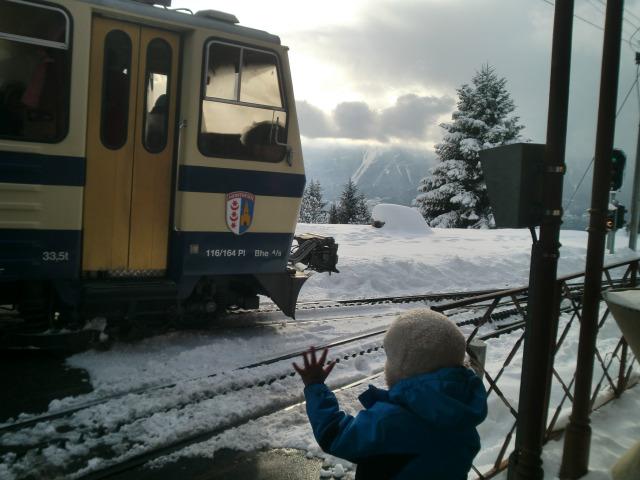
(513, 175)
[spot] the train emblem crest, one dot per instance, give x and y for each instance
(239, 209)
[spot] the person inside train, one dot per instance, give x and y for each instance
(424, 426)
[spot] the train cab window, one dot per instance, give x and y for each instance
(224, 72)
(156, 112)
(242, 107)
(260, 79)
(116, 86)
(34, 71)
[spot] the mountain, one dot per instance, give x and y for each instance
(382, 174)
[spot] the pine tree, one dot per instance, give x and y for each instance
(333, 214)
(312, 206)
(454, 195)
(352, 207)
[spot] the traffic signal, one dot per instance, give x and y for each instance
(610, 222)
(621, 210)
(618, 160)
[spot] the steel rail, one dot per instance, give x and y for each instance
(138, 391)
(145, 457)
(288, 356)
(479, 296)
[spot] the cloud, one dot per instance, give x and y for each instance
(412, 117)
(313, 121)
(356, 120)
(436, 46)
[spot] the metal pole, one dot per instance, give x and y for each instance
(611, 236)
(575, 458)
(635, 199)
(541, 329)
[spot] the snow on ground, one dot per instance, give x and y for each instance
(402, 257)
(290, 429)
(615, 429)
(381, 261)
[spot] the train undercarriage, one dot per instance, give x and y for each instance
(92, 311)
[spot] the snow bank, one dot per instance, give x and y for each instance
(382, 262)
(400, 219)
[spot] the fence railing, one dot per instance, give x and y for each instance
(500, 321)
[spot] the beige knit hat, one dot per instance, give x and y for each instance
(421, 341)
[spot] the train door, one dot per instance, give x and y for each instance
(130, 135)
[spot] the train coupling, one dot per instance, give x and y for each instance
(315, 252)
(312, 252)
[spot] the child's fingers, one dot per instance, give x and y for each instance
(297, 368)
(306, 360)
(329, 367)
(323, 357)
(312, 355)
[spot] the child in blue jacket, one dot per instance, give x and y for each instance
(424, 426)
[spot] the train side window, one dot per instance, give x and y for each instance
(156, 112)
(34, 72)
(223, 72)
(242, 108)
(260, 82)
(116, 85)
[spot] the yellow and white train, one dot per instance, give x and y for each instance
(146, 155)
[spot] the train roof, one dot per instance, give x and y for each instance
(182, 17)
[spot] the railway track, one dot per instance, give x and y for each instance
(61, 422)
(191, 400)
(142, 459)
(106, 441)
(352, 339)
(498, 315)
(15, 334)
(10, 321)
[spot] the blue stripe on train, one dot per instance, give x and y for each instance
(221, 253)
(39, 254)
(54, 254)
(225, 180)
(41, 169)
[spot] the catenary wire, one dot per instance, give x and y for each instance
(630, 13)
(634, 84)
(600, 7)
(549, 2)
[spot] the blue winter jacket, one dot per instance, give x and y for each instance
(423, 428)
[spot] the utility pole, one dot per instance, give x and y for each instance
(611, 236)
(635, 197)
(542, 319)
(577, 444)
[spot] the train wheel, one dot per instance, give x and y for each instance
(35, 304)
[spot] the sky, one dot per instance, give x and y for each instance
(384, 72)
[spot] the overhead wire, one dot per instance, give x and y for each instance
(629, 92)
(629, 12)
(602, 6)
(589, 22)
(636, 84)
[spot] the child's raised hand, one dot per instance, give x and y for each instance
(314, 370)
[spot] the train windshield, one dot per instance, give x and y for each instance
(34, 71)
(243, 114)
